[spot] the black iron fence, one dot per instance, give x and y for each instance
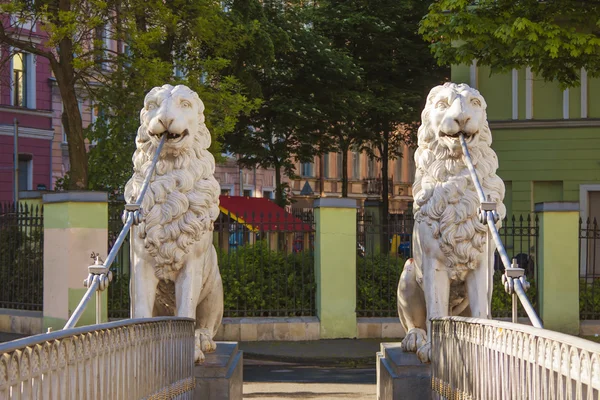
(267, 264)
(520, 237)
(118, 290)
(21, 256)
(382, 249)
(589, 269)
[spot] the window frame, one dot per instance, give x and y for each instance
(27, 158)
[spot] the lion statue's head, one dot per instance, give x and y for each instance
(182, 200)
(444, 194)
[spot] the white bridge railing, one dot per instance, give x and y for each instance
(129, 359)
(492, 360)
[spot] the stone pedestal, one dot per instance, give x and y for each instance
(220, 377)
(400, 375)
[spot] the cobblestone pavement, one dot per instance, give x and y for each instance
(312, 391)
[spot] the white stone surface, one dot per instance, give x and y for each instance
(175, 269)
(452, 269)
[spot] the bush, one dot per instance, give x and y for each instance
(502, 301)
(21, 265)
(260, 282)
(589, 299)
(376, 285)
(118, 296)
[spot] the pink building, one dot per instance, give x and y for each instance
(257, 182)
(25, 96)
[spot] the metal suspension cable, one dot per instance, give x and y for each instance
(491, 223)
(100, 275)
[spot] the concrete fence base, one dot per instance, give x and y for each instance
(21, 321)
(300, 328)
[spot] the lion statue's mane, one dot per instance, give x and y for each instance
(183, 198)
(445, 197)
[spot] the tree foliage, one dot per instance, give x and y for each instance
(397, 69)
(179, 42)
(304, 93)
(555, 38)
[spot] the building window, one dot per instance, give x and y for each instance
(19, 77)
(25, 172)
(247, 192)
(179, 72)
(225, 192)
(23, 80)
(371, 167)
(268, 194)
(306, 169)
(398, 170)
(356, 165)
(326, 165)
(102, 45)
(340, 165)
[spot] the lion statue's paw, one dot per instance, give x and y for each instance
(198, 354)
(207, 344)
(415, 338)
(424, 353)
(203, 344)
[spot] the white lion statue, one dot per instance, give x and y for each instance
(175, 270)
(449, 274)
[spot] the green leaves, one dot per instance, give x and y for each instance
(556, 39)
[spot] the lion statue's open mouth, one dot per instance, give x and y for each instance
(172, 136)
(448, 274)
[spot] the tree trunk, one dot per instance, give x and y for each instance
(344, 172)
(322, 175)
(279, 200)
(385, 194)
(71, 117)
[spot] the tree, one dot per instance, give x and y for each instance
(184, 41)
(397, 68)
(71, 39)
(554, 38)
(303, 97)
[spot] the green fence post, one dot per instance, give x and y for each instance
(335, 266)
(558, 266)
(75, 225)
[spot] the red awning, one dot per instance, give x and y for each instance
(261, 214)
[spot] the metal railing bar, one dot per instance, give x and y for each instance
(105, 267)
(66, 333)
(151, 171)
(533, 317)
(114, 251)
(83, 303)
(491, 223)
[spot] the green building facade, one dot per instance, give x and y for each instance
(547, 139)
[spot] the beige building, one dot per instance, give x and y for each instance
(364, 178)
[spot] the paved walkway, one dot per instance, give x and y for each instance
(315, 370)
(312, 391)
